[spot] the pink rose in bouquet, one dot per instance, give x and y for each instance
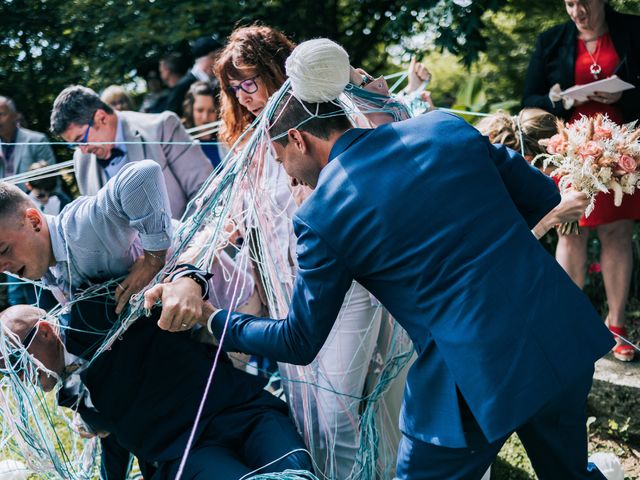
(557, 144)
(627, 163)
(601, 132)
(590, 149)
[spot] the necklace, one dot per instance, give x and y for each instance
(595, 69)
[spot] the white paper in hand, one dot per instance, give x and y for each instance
(612, 84)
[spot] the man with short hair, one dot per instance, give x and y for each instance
(15, 159)
(106, 140)
(20, 148)
(172, 67)
(204, 50)
(436, 223)
(94, 239)
(146, 390)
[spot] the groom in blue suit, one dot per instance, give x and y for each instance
(435, 222)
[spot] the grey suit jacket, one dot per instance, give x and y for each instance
(185, 167)
(26, 155)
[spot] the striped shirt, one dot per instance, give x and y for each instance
(97, 238)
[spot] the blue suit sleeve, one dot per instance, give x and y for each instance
(321, 284)
(533, 193)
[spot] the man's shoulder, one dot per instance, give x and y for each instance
(148, 120)
(389, 152)
(393, 141)
(26, 135)
(151, 125)
(433, 119)
(185, 82)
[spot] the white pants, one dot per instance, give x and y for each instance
(327, 412)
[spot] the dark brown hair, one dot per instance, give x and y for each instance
(261, 49)
(293, 113)
(197, 88)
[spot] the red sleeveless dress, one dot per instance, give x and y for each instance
(607, 57)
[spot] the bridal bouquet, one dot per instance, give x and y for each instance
(594, 155)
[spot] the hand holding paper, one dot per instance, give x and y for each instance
(582, 93)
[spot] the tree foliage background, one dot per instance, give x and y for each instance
(46, 45)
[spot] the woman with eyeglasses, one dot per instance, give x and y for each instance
(324, 397)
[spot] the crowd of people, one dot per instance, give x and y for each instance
(427, 223)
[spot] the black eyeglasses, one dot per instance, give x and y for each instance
(247, 86)
(15, 357)
(73, 146)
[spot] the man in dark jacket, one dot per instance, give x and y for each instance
(146, 389)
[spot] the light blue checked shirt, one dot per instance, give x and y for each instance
(97, 238)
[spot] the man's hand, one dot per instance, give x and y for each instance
(182, 304)
(140, 274)
(571, 206)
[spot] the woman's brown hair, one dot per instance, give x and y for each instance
(261, 49)
(197, 88)
(529, 126)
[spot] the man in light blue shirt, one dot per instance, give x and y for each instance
(94, 238)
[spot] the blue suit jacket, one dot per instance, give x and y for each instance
(435, 222)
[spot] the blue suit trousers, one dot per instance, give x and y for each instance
(555, 439)
(258, 437)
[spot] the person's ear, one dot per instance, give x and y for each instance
(33, 219)
(50, 340)
(100, 119)
(46, 330)
(297, 138)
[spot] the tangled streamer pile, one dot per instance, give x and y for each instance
(239, 197)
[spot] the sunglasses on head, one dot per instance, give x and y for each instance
(248, 85)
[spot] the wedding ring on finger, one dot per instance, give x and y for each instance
(184, 325)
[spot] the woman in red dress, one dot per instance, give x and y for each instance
(597, 43)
